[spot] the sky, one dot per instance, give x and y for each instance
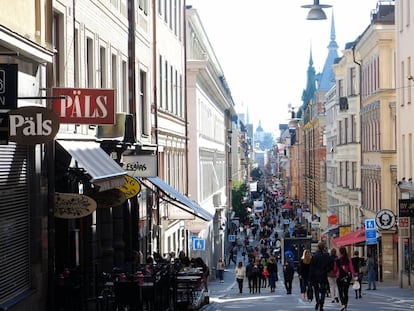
(263, 47)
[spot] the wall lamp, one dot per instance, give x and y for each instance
(316, 12)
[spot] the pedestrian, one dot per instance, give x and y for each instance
(319, 267)
(256, 275)
(358, 263)
(273, 278)
(288, 273)
(249, 275)
(240, 275)
(303, 273)
(371, 272)
(344, 274)
(333, 286)
(220, 269)
(265, 274)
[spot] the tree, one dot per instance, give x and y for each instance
(240, 200)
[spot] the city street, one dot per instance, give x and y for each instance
(225, 296)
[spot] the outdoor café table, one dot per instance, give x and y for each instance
(188, 288)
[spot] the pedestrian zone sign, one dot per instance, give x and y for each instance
(370, 231)
(199, 244)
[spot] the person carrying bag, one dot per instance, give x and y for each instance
(345, 273)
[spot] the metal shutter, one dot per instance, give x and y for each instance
(14, 221)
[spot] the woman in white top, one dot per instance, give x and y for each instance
(240, 275)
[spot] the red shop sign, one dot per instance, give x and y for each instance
(85, 106)
(333, 220)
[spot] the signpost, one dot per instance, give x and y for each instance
(199, 244)
(370, 231)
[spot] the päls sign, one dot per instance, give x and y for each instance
(32, 125)
(85, 106)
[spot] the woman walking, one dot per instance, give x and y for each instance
(344, 274)
(220, 269)
(333, 286)
(358, 263)
(240, 275)
(303, 272)
(288, 273)
(272, 268)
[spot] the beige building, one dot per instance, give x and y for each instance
(375, 54)
(404, 16)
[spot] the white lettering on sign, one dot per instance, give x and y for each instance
(79, 107)
(30, 126)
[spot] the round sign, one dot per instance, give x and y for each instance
(131, 187)
(385, 219)
(73, 205)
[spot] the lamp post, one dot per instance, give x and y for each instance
(316, 12)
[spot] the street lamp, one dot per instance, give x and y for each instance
(316, 12)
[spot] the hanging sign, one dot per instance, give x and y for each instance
(32, 125)
(131, 187)
(73, 205)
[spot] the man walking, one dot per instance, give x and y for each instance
(319, 267)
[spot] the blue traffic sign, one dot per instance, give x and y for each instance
(232, 238)
(370, 231)
(370, 224)
(199, 244)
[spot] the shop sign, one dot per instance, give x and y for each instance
(385, 219)
(85, 106)
(333, 219)
(131, 187)
(73, 205)
(406, 208)
(109, 198)
(140, 165)
(8, 86)
(32, 125)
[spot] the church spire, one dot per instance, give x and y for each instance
(326, 79)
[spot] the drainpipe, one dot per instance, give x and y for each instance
(155, 105)
(50, 148)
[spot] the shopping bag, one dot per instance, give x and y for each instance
(356, 285)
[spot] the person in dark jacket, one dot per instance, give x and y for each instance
(272, 268)
(358, 263)
(288, 273)
(319, 267)
(249, 274)
(303, 273)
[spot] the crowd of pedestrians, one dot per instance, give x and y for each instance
(324, 273)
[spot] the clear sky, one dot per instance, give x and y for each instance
(263, 47)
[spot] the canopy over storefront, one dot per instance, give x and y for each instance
(178, 199)
(103, 170)
(355, 237)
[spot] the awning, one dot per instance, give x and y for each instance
(355, 237)
(178, 199)
(105, 172)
